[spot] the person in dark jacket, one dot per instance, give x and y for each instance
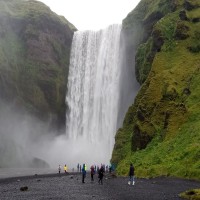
(83, 173)
(101, 171)
(92, 172)
(131, 175)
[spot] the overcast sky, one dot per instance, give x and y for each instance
(92, 14)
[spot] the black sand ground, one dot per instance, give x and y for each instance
(54, 186)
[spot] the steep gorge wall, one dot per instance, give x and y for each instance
(167, 64)
(34, 58)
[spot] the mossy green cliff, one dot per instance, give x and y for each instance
(160, 133)
(34, 58)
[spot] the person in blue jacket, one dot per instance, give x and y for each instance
(83, 173)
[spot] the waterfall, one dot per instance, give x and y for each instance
(93, 93)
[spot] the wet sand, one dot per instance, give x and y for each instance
(70, 186)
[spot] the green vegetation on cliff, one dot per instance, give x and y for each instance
(160, 134)
(34, 57)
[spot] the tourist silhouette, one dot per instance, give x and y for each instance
(92, 172)
(65, 168)
(101, 171)
(83, 173)
(131, 175)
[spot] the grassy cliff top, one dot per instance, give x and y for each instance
(148, 8)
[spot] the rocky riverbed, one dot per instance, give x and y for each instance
(70, 186)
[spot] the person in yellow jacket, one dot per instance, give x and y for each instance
(65, 169)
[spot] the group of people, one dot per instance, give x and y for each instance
(100, 171)
(96, 168)
(93, 170)
(64, 168)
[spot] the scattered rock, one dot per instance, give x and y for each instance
(25, 188)
(190, 192)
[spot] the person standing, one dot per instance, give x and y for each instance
(101, 171)
(95, 168)
(65, 168)
(59, 169)
(131, 175)
(92, 172)
(83, 173)
(110, 169)
(78, 167)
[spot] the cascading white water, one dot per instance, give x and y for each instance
(93, 91)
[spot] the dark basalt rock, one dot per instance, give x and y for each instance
(25, 188)
(166, 122)
(140, 139)
(188, 6)
(140, 115)
(158, 40)
(183, 15)
(39, 163)
(181, 32)
(149, 23)
(196, 20)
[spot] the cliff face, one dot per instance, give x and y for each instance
(34, 58)
(160, 132)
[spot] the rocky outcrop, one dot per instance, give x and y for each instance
(137, 28)
(34, 58)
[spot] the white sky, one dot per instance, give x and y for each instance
(92, 14)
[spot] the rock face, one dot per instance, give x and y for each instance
(34, 58)
(39, 163)
(163, 43)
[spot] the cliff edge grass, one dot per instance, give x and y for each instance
(160, 133)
